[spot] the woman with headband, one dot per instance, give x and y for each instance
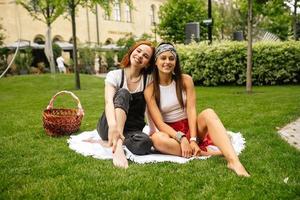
(171, 102)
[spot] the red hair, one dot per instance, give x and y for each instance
(126, 59)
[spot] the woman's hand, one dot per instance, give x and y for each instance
(113, 136)
(196, 149)
(186, 150)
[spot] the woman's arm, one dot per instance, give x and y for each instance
(191, 111)
(156, 116)
(152, 128)
(109, 105)
(113, 132)
(155, 113)
(188, 84)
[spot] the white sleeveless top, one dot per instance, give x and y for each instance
(114, 78)
(169, 105)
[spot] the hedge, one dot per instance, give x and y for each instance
(226, 63)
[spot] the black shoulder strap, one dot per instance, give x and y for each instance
(122, 79)
(145, 80)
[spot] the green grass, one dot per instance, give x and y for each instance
(36, 166)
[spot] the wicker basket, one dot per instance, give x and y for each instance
(58, 122)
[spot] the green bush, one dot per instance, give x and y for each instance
(3, 58)
(109, 57)
(129, 40)
(126, 43)
(56, 50)
(24, 60)
(86, 59)
(226, 63)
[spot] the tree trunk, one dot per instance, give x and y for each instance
(88, 25)
(97, 25)
(76, 71)
(249, 49)
(295, 20)
(223, 6)
(48, 49)
(210, 26)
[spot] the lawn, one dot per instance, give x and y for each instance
(36, 166)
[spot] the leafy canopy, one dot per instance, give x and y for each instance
(46, 11)
(174, 15)
(268, 15)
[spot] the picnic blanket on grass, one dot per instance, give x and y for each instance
(96, 150)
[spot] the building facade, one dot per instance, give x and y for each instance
(95, 27)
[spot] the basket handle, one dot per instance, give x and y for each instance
(80, 110)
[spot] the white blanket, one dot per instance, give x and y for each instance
(77, 143)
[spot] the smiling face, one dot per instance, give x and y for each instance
(166, 62)
(141, 56)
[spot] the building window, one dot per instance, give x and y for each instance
(117, 10)
(39, 39)
(71, 40)
(152, 14)
(57, 38)
(106, 15)
(109, 41)
(128, 13)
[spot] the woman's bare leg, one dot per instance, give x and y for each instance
(119, 158)
(163, 143)
(208, 121)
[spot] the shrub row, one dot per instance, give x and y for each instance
(226, 63)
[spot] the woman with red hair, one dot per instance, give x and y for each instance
(123, 119)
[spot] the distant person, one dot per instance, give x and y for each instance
(61, 65)
(97, 64)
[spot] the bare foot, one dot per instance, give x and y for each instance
(119, 158)
(238, 168)
(101, 142)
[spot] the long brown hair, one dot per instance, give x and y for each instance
(177, 76)
(125, 62)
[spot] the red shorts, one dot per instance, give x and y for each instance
(183, 126)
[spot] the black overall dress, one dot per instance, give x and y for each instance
(135, 140)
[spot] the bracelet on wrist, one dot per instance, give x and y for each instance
(195, 139)
(179, 136)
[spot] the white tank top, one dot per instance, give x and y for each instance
(169, 105)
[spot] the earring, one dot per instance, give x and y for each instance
(173, 73)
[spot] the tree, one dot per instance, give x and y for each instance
(255, 15)
(272, 16)
(249, 49)
(294, 5)
(71, 6)
(265, 4)
(276, 17)
(228, 19)
(295, 21)
(2, 37)
(174, 15)
(268, 15)
(46, 11)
